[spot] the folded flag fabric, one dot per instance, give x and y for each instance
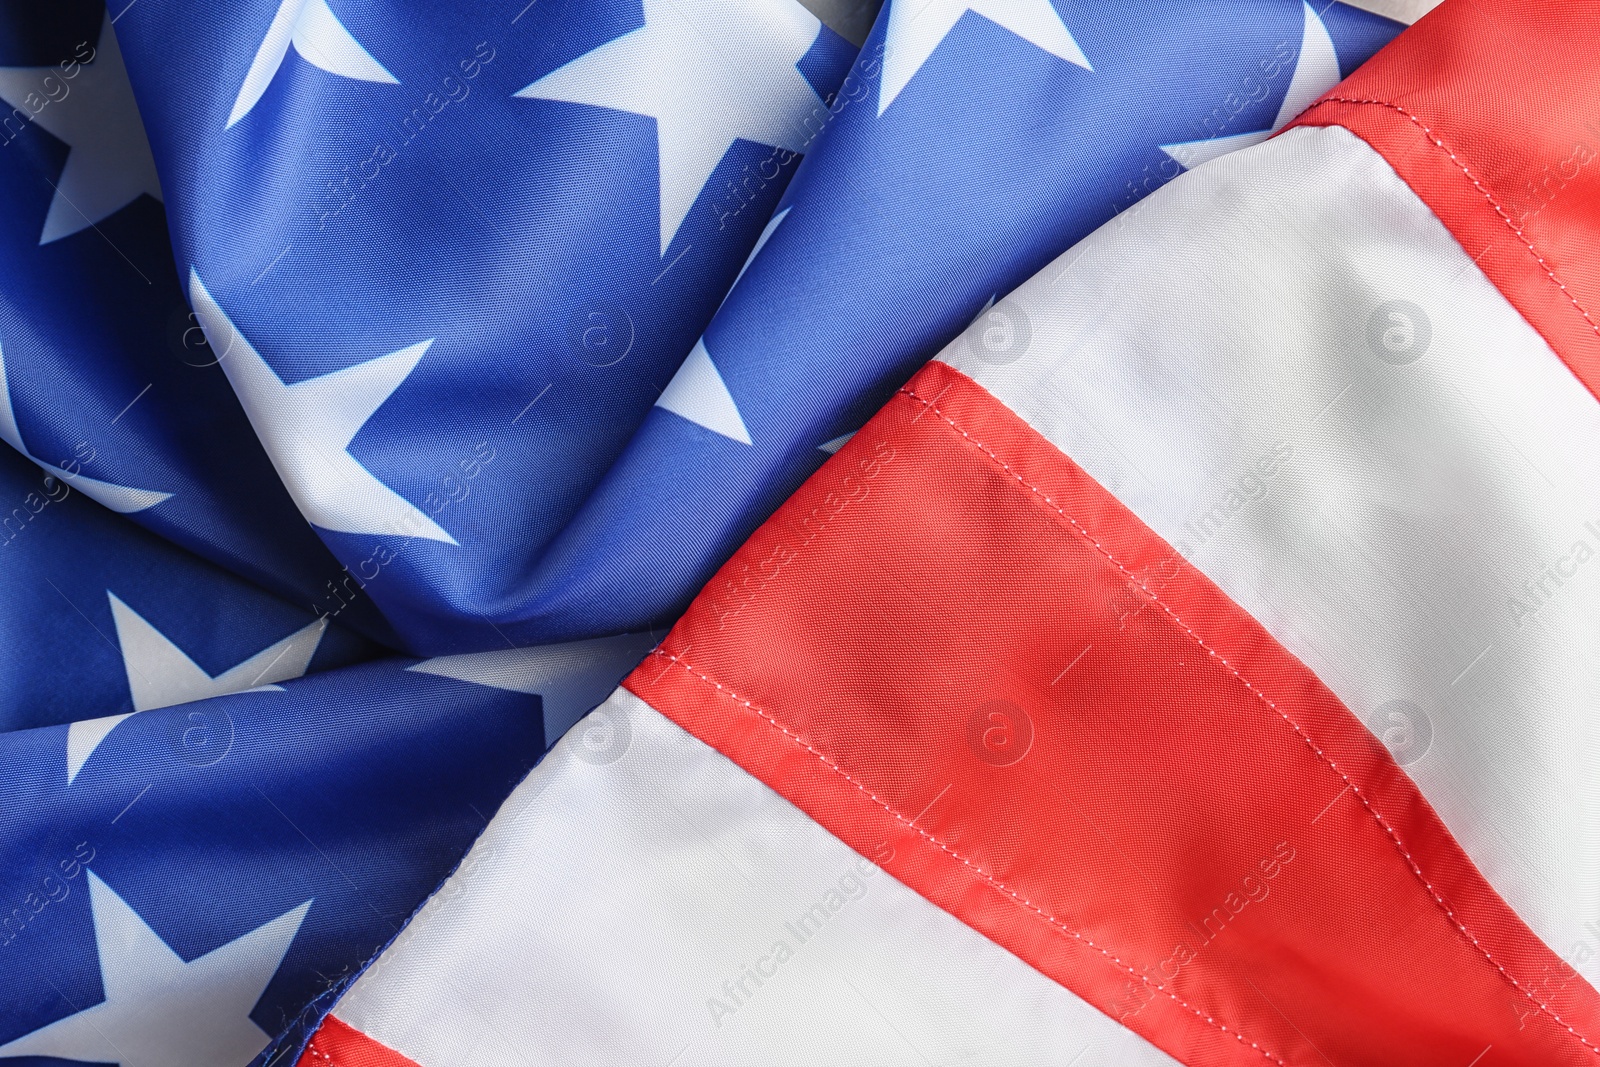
(448, 260)
(105, 377)
(456, 269)
(182, 885)
(1209, 682)
(971, 144)
(236, 858)
(104, 618)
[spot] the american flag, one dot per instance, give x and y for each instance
(1094, 510)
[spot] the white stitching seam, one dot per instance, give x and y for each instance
(1357, 790)
(985, 875)
(1051, 919)
(1512, 226)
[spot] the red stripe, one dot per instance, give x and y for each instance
(1486, 108)
(338, 1044)
(961, 655)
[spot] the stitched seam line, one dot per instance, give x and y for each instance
(1263, 698)
(1489, 197)
(985, 875)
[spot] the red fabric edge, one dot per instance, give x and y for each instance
(338, 1044)
(1485, 110)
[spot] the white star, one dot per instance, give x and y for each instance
(320, 38)
(710, 73)
(571, 679)
(307, 429)
(832, 447)
(119, 498)
(110, 163)
(1316, 71)
(698, 393)
(160, 674)
(158, 1010)
(916, 27)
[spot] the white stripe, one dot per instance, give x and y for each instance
(1407, 11)
(610, 911)
(1231, 360)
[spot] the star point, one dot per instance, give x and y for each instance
(160, 1011)
(698, 393)
(918, 27)
(571, 679)
(307, 428)
(315, 32)
(160, 674)
(1316, 71)
(710, 75)
(832, 447)
(109, 165)
(123, 499)
(761, 242)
